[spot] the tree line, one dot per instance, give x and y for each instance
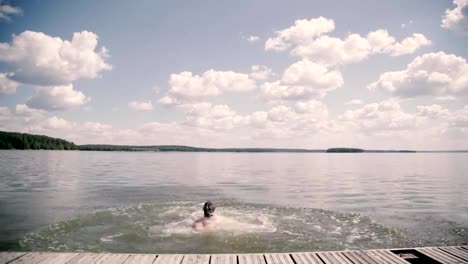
(14, 140)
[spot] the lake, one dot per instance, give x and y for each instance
(275, 202)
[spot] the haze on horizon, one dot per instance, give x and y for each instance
(302, 74)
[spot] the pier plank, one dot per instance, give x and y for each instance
(358, 257)
(33, 257)
(386, 256)
(334, 257)
(85, 258)
(6, 257)
(57, 258)
(141, 259)
(112, 258)
(223, 259)
(456, 251)
(278, 258)
(440, 256)
(169, 259)
(306, 258)
(251, 259)
(196, 259)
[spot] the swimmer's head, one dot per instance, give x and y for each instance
(208, 209)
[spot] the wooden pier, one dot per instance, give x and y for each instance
(425, 255)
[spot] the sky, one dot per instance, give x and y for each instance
(295, 74)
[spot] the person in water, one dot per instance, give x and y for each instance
(207, 221)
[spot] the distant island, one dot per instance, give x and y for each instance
(15, 140)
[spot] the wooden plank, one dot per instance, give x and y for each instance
(196, 259)
(306, 258)
(462, 254)
(439, 255)
(6, 257)
(358, 257)
(85, 258)
(251, 259)
(169, 259)
(33, 257)
(278, 258)
(141, 259)
(333, 257)
(58, 258)
(110, 258)
(223, 259)
(386, 256)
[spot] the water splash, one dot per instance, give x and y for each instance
(239, 227)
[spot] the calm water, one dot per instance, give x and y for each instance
(146, 202)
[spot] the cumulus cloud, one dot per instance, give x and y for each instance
(457, 18)
(261, 72)
(141, 106)
(303, 80)
(308, 39)
(7, 86)
(185, 87)
(215, 117)
(6, 11)
(433, 74)
(433, 111)
(40, 59)
(57, 98)
(328, 50)
(302, 31)
(380, 118)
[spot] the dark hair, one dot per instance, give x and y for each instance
(208, 209)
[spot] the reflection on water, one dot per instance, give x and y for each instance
(422, 195)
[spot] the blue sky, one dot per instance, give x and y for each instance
(312, 74)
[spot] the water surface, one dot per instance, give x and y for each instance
(146, 201)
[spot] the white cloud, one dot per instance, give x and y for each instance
(457, 19)
(186, 87)
(141, 106)
(435, 74)
(39, 59)
(302, 31)
(405, 25)
(208, 116)
(380, 117)
(6, 11)
(432, 111)
(57, 98)
(7, 86)
(303, 80)
(261, 72)
(252, 39)
(328, 50)
(354, 102)
(57, 123)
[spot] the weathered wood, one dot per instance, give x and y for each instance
(333, 258)
(196, 259)
(456, 252)
(358, 257)
(306, 258)
(440, 256)
(85, 258)
(57, 258)
(6, 257)
(141, 259)
(39, 257)
(386, 256)
(251, 259)
(278, 258)
(223, 259)
(169, 259)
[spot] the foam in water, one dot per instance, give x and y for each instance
(167, 228)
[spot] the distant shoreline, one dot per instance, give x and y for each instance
(23, 141)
